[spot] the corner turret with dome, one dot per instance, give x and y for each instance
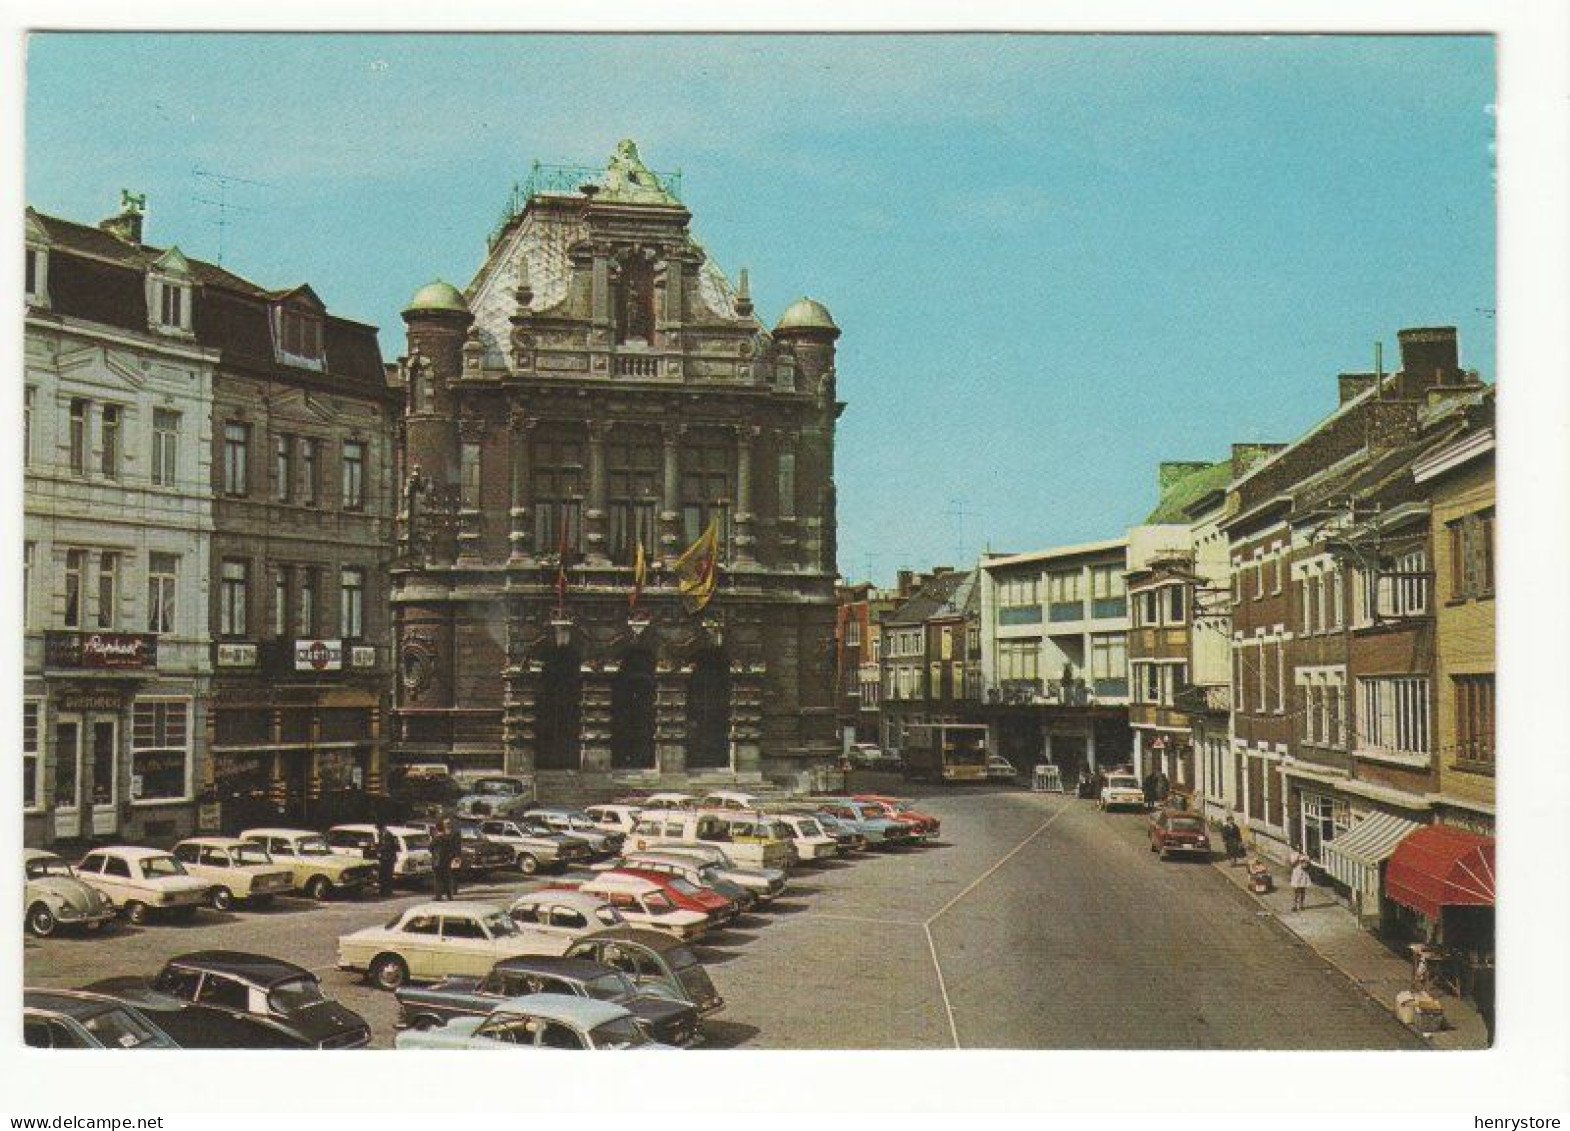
(599, 405)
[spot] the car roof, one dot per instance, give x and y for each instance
(583, 1012)
(76, 1003)
(129, 851)
(217, 842)
(676, 859)
(657, 941)
(618, 878)
(396, 830)
(261, 969)
(39, 854)
(279, 832)
(584, 969)
(447, 907)
(566, 897)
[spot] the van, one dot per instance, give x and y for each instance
(741, 840)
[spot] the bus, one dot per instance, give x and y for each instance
(946, 751)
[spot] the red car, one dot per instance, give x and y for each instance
(1172, 831)
(688, 896)
(923, 825)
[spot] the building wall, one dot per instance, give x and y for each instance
(1261, 721)
(133, 517)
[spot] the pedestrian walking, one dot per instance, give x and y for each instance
(1232, 841)
(442, 854)
(1162, 786)
(1299, 880)
(1148, 786)
(386, 858)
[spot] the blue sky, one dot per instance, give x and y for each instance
(1056, 260)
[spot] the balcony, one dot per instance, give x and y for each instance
(636, 365)
(1203, 699)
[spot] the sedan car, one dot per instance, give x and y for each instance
(546, 1021)
(429, 941)
(808, 839)
(847, 838)
(142, 881)
(413, 862)
(644, 902)
(695, 872)
(653, 960)
(665, 1017)
(1122, 791)
(317, 869)
(763, 883)
(1172, 831)
(53, 896)
(568, 914)
(871, 821)
(270, 991)
(532, 844)
(684, 893)
(602, 842)
(923, 825)
(235, 869)
(73, 1019)
(477, 856)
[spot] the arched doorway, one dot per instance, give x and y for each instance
(559, 712)
(632, 713)
(708, 712)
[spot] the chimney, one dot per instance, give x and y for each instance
(1170, 471)
(1245, 456)
(1430, 356)
(1354, 385)
(904, 582)
(126, 225)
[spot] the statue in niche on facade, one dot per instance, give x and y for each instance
(413, 487)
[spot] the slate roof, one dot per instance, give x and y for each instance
(929, 600)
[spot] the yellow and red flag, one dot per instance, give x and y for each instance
(697, 570)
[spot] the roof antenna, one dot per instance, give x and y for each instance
(223, 204)
(1379, 371)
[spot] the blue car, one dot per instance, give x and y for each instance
(543, 1021)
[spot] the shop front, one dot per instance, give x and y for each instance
(1441, 880)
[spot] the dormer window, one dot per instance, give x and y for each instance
(300, 334)
(169, 293)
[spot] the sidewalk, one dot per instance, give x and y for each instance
(1332, 932)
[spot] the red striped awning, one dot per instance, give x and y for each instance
(1438, 866)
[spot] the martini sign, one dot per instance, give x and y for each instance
(318, 655)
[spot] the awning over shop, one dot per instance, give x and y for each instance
(1354, 857)
(1439, 866)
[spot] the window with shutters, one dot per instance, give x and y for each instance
(1474, 705)
(1472, 556)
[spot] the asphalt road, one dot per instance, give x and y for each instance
(1037, 922)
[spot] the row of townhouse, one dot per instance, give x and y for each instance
(930, 654)
(206, 530)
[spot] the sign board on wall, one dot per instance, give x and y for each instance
(235, 656)
(318, 655)
(100, 650)
(362, 656)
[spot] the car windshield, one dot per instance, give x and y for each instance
(155, 866)
(581, 823)
(680, 958)
(681, 885)
(609, 987)
(296, 994)
(658, 903)
(47, 866)
(1186, 824)
(622, 1033)
(249, 854)
(498, 787)
(313, 846)
(413, 842)
(117, 1029)
(608, 915)
(500, 925)
(1119, 782)
(808, 827)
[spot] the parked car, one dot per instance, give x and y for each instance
(1122, 791)
(268, 990)
(645, 903)
(532, 846)
(871, 821)
(871, 756)
(695, 872)
(847, 838)
(924, 826)
(477, 856)
(602, 842)
(1000, 768)
(192, 1025)
(730, 801)
(653, 960)
(1172, 831)
(547, 1021)
(764, 883)
(236, 870)
(483, 805)
(614, 818)
(666, 1018)
(562, 912)
(658, 827)
(412, 864)
(495, 785)
(54, 897)
(142, 881)
(685, 801)
(74, 1019)
(686, 894)
(808, 838)
(316, 869)
(432, 940)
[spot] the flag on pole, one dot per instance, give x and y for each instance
(697, 570)
(639, 567)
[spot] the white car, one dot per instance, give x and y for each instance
(1122, 791)
(657, 828)
(615, 818)
(643, 903)
(413, 861)
(765, 883)
(140, 881)
(235, 869)
(430, 941)
(670, 801)
(318, 871)
(568, 914)
(808, 838)
(729, 801)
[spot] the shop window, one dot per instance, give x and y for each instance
(160, 749)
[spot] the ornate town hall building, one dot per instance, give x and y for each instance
(601, 386)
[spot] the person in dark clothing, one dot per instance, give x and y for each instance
(1232, 839)
(1148, 786)
(444, 851)
(386, 858)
